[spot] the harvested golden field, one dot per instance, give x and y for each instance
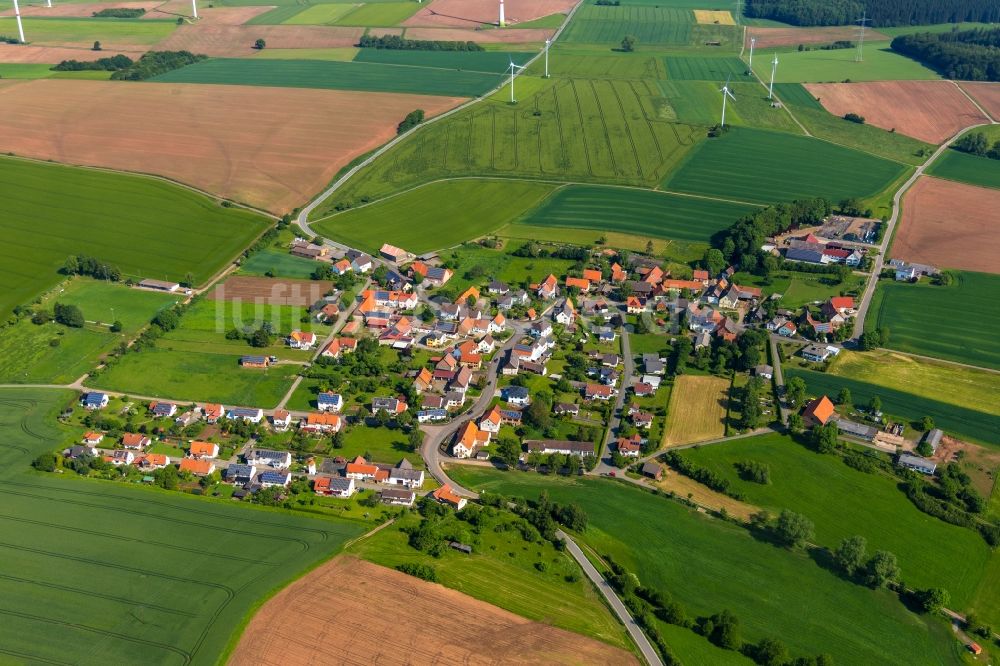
(697, 410)
(931, 111)
(949, 225)
(234, 41)
(770, 37)
(470, 13)
(353, 612)
(713, 16)
(683, 486)
(269, 147)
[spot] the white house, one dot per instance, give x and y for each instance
(329, 402)
(301, 340)
(253, 415)
(275, 459)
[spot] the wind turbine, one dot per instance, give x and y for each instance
(725, 93)
(20, 28)
(774, 68)
(548, 43)
(501, 23)
(513, 69)
(194, 8)
(753, 40)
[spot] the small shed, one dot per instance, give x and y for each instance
(461, 547)
(652, 470)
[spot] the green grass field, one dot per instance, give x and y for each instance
(334, 75)
(27, 353)
(871, 139)
(502, 571)
(769, 167)
(567, 62)
(491, 62)
(594, 24)
(279, 264)
(921, 318)
(435, 216)
(708, 565)
(697, 68)
(131, 222)
(590, 130)
(112, 33)
(326, 14)
(963, 422)
(280, 15)
(879, 64)
(639, 212)
(501, 265)
(966, 168)
(342, 54)
(103, 572)
(797, 95)
(797, 288)
(40, 71)
(379, 14)
(847, 502)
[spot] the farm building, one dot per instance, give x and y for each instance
(819, 411)
(403, 474)
(853, 429)
(564, 447)
(652, 470)
(397, 496)
(916, 463)
(159, 285)
(445, 495)
(393, 253)
(255, 361)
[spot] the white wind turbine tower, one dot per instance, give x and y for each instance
(502, 22)
(725, 93)
(548, 43)
(194, 8)
(20, 28)
(753, 40)
(774, 69)
(513, 68)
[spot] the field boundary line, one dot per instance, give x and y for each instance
(938, 360)
(303, 218)
(987, 114)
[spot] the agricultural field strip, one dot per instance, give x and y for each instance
(562, 184)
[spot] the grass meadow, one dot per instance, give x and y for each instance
(966, 168)
(961, 422)
(880, 64)
(379, 14)
(436, 215)
(770, 167)
(922, 318)
(491, 62)
(697, 409)
(279, 264)
(708, 565)
(594, 24)
(333, 75)
(110, 32)
(638, 212)
(502, 571)
(111, 573)
(475, 261)
(700, 68)
(145, 227)
(843, 502)
(25, 70)
(589, 130)
(798, 288)
(868, 138)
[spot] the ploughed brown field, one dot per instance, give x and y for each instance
(353, 612)
(470, 13)
(270, 291)
(54, 54)
(233, 41)
(481, 36)
(988, 96)
(207, 15)
(932, 111)
(273, 148)
(949, 225)
(769, 37)
(76, 10)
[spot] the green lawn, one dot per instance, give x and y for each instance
(843, 502)
(966, 168)
(325, 14)
(502, 571)
(921, 318)
(379, 14)
(963, 422)
(279, 263)
(145, 227)
(797, 95)
(635, 211)
(709, 565)
(434, 216)
(129, 574)
(369, 77)
(382, 444)
(112, 33)
(770, 167)
(478, 265)
(699, 68)
(42, 71)
(27, 353)
(492, 62)
(342, 54)
(583, 130)
(594, 24)
(798, 289)
(880, 64)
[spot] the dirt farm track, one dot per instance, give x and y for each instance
(353, 612)
(269, 147)
(949, 225)
(931, 111)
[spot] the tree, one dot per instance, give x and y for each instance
(844, 397)
(725, 630)
(628, 43)
(46, 462)
(259, 44)
(824, 437)
(795, 391)
(882, 569)
(416, 439)
(167, 478)
(925, 449)
(96, 47)
(167, 319)
(260, 338)
(933, 599)
(850, 555)
(68, 315)
(117, 326)
(770, 652)
(875, 404)
(508, 450)
(926, 423)
(795, 423)
(793, 529)
(713, 261)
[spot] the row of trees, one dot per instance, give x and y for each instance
(397, 43)
(112, 64)
(95, 268)
(977, 143)
(970, 55)
(154, 63)
(881, 12)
